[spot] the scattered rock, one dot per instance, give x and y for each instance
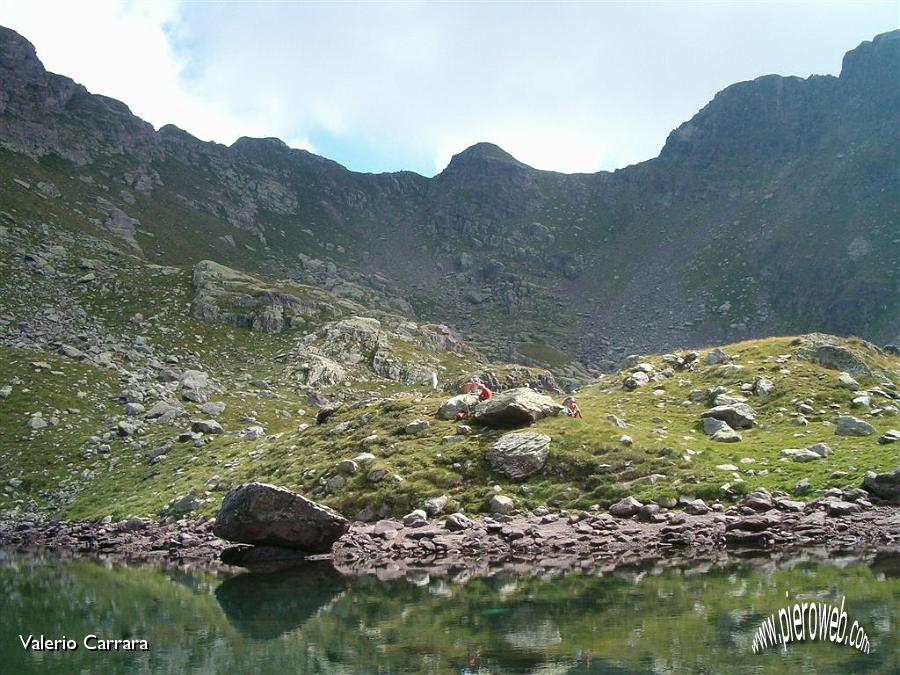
(847, 425)
(636, 380)
(837, 507)
(501, 504)
(891, 436)
(213, 408)
(519, 455)
(208, 427)
(717, 356)
(801, 454)
(736, 415)
(863, 401)
(846, 380)
(163, 411)
(134, 409)
(718, 430)
(456, 522)
(183, 505)
(253, 433)
(36, 421)
(417, 426)
(347, 467)
(435, 505)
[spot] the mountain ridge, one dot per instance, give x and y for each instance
(495, 247)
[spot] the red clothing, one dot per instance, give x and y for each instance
(485, 394)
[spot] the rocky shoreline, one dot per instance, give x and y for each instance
(550, 540)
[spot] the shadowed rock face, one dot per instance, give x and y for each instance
(258, 513)
(266, 606)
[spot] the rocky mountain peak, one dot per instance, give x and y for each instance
(873, 64)
(260, 144)
(19, 65)
(774, 116)
(481, 155)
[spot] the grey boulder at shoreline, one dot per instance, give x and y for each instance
(263, 514)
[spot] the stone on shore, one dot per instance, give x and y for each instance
(696, 507)
(884, 485)
(263, 514)
(625, 508)
(500, 504)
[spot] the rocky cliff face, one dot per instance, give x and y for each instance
(773, 210)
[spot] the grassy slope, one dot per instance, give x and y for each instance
(573, 477)
(588, 464)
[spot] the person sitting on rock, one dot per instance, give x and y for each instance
(471, 385)
(475, 387)
(570, 407)
(483, 392)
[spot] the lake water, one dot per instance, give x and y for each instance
(313, 620)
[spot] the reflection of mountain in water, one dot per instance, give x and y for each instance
(267, 605)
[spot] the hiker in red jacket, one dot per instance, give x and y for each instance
(483, 392)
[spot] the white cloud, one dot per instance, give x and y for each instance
(569, 87)
(125, 50)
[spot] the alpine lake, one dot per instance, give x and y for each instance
(699, 618)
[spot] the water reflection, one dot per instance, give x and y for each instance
(265, 605)
(310, 619)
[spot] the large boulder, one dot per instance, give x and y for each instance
(262, 514)
(884, 485)
(460, 403)
(515, 408)
(847, 425)
(519, 454)
(736, 415)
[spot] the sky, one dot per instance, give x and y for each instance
(386, 86)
